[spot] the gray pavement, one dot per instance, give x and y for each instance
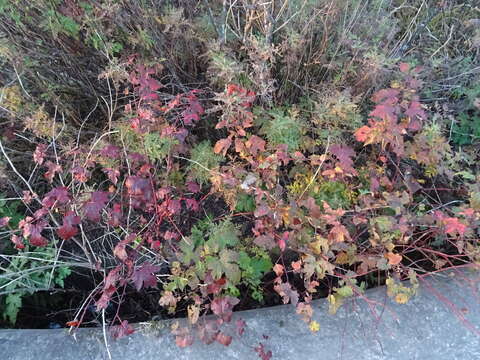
(441, 322)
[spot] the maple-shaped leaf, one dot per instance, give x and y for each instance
(120, 249)
(192, 204)
(183, 337)
(69, 227)
(287, 293)
(189, 117)
(124, 329)
(384, 112)
(112, 174)
(223, 307)
(109, 288)
(240, 324)
(222, 146)
(27, 197)
(174, 206)
(17, 241)
(193, 187)
(80, 173)
(260, 350)
(194, 109)
(33, 232)
(111, 151)
(345, 155)
(143, 276)
(39, 154)
(56, 196)
(265, 241)
(452, 225)
(389, 96)
(97, 202)
(138, 186)
(223, 339)
(207, 331)
(52, 170)
(255, 144)
(363, 134)
(338, 233)
(115, 215)
(394, 259)
(4, 221)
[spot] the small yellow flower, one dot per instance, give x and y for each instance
(314, 326)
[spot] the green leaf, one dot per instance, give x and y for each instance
(222, 235)
(13, 304)
(345, 291)
(245, 203)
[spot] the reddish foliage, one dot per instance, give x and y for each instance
(144, 276)
(97, 202)
(119, 331)
(69, 228)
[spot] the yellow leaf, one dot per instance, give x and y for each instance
(314, 326)
(193, 313)
(342, 258)
(401, 298)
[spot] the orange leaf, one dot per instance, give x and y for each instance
(363, 133)
(278, 268)
(394, 259)
(222, 146)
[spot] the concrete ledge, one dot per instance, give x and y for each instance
(441, 322)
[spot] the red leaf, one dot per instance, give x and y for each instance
(52, 170)
(344, 154)
(110, 151)
(241, 324)
(404, 67)
(192, 204)
(207, 331)
(17, 241)
(223, 307)
(144, 277)
(124, 329)
(362, 134)
(4, 221)
(384, 112)
(223, 339)
(93, 207)
(56, 196)
(287, 293)
(174, 207)
(255, 144)
(389, 95)
(282, 242)
(193, 187)
(115, 215)
(109, 288)
(69, 228)
(80, 173)
(39, 154)
(260, 350)
(184, 340)
(112, 174)
(120, 251)
(73, 323)
(33, 231)
(27, 197)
